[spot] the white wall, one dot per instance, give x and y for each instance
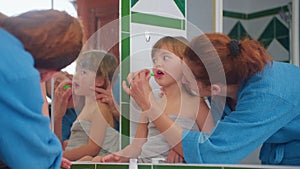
(200, 15)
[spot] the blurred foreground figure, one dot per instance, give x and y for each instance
(34, 46)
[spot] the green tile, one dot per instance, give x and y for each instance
(184, 167)
(125, 7)
(83, 166)
(155, 20)
(125, 69)
(268, 34)
(181, 6)
(125, 46)
(281, 30)
(235, 15)
(285, 42)
(112, 166)
(125, 21)
(254, 15)
(268, 12)
(133, 2)
(125, 125)
(244, 167)
(145, 166)
(125, 12)
(266, 42)
(282, 34)
(238, 32)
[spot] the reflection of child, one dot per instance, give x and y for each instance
(64, 101)
(178, 104)
(93, 131)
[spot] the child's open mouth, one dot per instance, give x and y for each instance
(159, 73)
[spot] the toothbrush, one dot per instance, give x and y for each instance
(67, 86)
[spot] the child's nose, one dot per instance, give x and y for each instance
(158, 63)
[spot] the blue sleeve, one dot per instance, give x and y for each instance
(26, 140)
(257, 117)
(116, 90)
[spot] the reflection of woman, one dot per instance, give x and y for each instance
(262, 104)
(93, 131)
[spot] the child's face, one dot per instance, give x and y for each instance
(166, 67)
(84, 81)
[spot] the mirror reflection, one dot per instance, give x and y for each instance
(86, 112)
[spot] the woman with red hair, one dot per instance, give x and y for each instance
(34, 46)
(258, 100)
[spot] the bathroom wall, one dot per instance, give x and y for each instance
(260, 20)
(143, 23)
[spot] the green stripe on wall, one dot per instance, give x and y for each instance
(180, 4)
(236, 15)
(268, 12)
(125, 11)
(156, 20)
(125, 64)
(254, 15)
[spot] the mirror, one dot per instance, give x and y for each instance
(149, 21)
(128, 30)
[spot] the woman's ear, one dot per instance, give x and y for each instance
(216, 89)
(46, 74)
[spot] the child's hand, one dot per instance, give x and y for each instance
(174, 157)
(140, 89)
(62, 97)
(65, 163)
(86, 158)
(97, 159)
(114, 158)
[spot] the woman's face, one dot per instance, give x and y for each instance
(84, 81)
(194, 84)
(166, 67)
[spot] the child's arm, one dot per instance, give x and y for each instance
(96, 137)
(91, 149)
(204, 118)
(134, 149)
